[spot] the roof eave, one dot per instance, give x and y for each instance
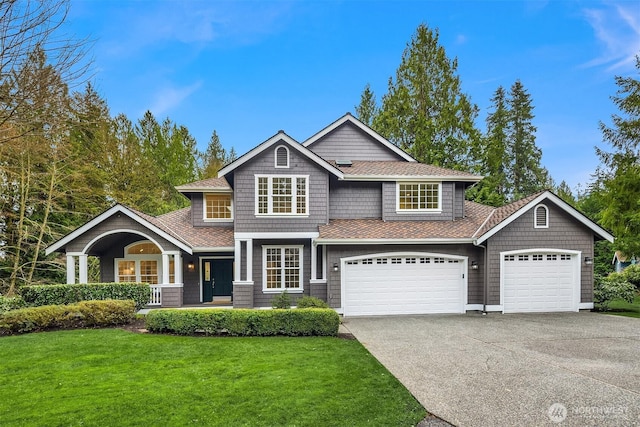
(472, 179)
(351, 241)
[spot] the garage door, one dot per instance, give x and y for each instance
(540, 282)
(403, 284)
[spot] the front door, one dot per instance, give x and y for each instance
(217, 278)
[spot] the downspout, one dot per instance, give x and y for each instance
(485, 284)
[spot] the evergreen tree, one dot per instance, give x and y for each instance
(368, 108)
(425, 111)
(564, 192)
(620, 172)
(214, 158)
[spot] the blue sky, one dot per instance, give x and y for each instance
(250, 68)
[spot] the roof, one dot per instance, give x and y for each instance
(212, 184)
(380, 170)
(375, 135)
(280, 137)
(379, 231)
(622, 257)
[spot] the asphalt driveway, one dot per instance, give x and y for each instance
(515, 369)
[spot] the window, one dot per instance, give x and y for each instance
(281, 195)
(541, 217)
(282, 157)
(537, 257)
(418, 197)
(143, 248)
(282, 268)
(126, 271)
(218, 207)
(149, 272)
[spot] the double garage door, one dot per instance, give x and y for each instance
(404, 284)
(540, 282)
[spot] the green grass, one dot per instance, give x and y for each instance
(114, 377)
(622, 308)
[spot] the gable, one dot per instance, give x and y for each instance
(348, 142)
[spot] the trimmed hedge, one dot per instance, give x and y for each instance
(84, 314)
(311, 302)
(249, 322)
(10, 303)
(37, 295)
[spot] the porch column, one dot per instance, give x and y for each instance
(71, 269)
(237, 265)
(177, 265)
(249, 260)
(165, 268)
(314, 261)
(84, 276)
(324, 262)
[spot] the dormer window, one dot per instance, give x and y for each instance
(418, 197)
(541, 217)
(218, 207)
(282, 157)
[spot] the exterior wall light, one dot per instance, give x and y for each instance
(474, 265)
(588, 260)
(191, 266)
(335, 267)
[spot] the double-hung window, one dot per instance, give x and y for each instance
(419, 197)
(282, 268)
(282, 195)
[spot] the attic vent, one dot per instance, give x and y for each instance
(344, 163)
(282, 157)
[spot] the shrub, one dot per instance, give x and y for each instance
(632, 275)
(81, 315)
(282, 300)
(309, 321)
(311, 302)
(37, 295)
(10, 303)
(612, 287)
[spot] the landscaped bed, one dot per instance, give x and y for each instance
(624, 308)
(115, 377)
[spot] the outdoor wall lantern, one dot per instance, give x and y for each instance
(191, 266)
(474, 265)
(588, 260)
(335, 267)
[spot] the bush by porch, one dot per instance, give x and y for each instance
(38, 295)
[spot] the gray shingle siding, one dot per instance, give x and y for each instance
(352, 200)
(197, 213)
(347, 142)
(245, 195)
(458, 204)
(335, 253)
(389, 205)
(564, 232)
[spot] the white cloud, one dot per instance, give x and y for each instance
(169, 98)
(617, 28)
(461, 39)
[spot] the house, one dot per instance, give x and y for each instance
(351, 219)
(620, 261)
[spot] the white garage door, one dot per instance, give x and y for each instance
(403, 284)
(540, 282)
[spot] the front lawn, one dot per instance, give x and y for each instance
(623, 308)
(114, 377)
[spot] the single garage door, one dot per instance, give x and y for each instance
(540, 282)
(403, 284)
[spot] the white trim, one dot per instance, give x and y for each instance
(275, 157)
(318, 281)
(585, 306)
(104, 216)
(474, 307)
(576, 270)
(237, 266)
(418, 211)
(122, 230)
(464, 268)
(71, 269)
(270, 196)
(83, 269)
(395, 178)
(561, 204)
(493, 308)
(249, 258)
(366, 129)
(535, 216)
(348, 241)
(300, 287)
(280, 136)
(243, 283)
(204, 208)
(277, 235)
(199, 249)
(484, 222)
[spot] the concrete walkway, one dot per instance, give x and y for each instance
(570, 369)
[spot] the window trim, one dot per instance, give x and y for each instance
(136, 259)
(535, 216)
(278, 290)
(270, 212)
(204, 207)
(414, 211)
(275, 157)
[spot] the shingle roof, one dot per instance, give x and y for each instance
(381, 169)
(462, 228)
(502, 213)
(211, 184)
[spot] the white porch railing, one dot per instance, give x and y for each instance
(156, 295)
